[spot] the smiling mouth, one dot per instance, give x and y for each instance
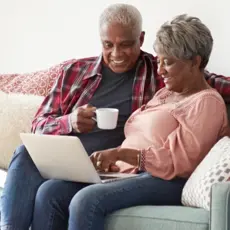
(118, 62)
(166, 79)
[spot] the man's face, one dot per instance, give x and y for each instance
(120, 47)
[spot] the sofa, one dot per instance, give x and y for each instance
(20, 97)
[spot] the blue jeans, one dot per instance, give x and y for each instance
(28, 199)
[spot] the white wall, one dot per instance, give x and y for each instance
(37, 34)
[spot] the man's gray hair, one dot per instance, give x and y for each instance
(124, 14)
(184, 38)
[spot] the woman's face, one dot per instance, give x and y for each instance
(177, 74)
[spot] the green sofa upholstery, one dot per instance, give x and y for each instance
(176, 217)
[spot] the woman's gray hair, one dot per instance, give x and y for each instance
(124, 14)
(184, 38)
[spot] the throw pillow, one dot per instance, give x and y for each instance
(16, 114)
(37, 83)
(214, 168)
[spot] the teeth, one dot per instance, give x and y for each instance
(118, 62)
(166, 79)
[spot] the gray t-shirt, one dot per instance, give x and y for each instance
(114, 91)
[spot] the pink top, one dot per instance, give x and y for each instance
(175, 137)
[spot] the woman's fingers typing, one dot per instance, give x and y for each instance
(103, 160)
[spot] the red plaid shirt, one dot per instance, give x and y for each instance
(78, 82)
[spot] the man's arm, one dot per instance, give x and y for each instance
(220, 83)
(49, 118)
(53, 116)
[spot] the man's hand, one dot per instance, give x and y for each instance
(81, 119)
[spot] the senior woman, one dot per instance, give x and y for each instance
(165, 139)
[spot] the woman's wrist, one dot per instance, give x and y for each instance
(131, 156)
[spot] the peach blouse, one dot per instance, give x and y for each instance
(175, 137)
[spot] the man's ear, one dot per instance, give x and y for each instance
(142, 38)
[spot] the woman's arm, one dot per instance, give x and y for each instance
(200, 126)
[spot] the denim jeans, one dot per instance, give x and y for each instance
(28, 199)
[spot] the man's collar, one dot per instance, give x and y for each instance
(95, 68)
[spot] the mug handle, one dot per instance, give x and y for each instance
(95, 117)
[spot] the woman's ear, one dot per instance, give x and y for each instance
(196, 61)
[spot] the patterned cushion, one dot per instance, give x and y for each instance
(214, 168)
(37, 83)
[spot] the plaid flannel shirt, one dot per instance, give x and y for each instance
(78, 82)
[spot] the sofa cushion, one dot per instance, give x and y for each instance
(158, 218)
(37, 83)
(16, 114)
(214, 168)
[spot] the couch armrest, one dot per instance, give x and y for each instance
(220, 206)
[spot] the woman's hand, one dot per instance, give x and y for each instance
(105, 160)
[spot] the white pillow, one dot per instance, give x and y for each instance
(16, 114)
(214, 168)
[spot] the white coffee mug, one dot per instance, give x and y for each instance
(106, 118)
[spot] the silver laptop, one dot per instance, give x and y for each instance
(64, 158)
